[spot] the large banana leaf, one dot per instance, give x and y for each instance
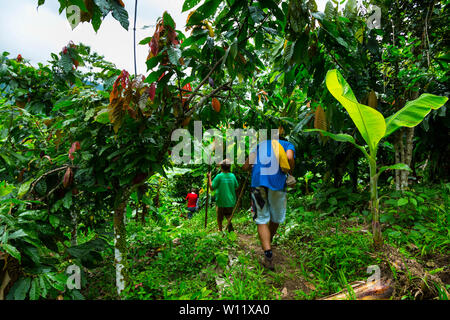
(341, 137)
(414, 112)
(370, 123)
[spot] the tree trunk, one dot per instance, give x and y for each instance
(376, 227)
(403, 145)
(120, 241)
(398, 136)
(144, 212)
(408, 155)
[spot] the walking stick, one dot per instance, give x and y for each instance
(207, 191)
(238, 201)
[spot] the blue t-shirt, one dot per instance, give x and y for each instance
(266, 169)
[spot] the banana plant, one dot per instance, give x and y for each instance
(374, 127)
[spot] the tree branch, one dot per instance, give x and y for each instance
(35, 182)
(188, 101)
(204, 98)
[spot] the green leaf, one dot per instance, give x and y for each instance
(5, 188)
(397, 166)
(414, 112)
(66, 63)
(256, 14)
(402, 201)
(67, 200)
(204, 12)
(259, 38)
(96, 18)
(18, 234)
(145, 40)
(341, 137)
(274, 8)
(168, 21)
(23, 189)
(35, 289)
(233, 50)
(12, 251)
(154, 76)
(76, 295)
(44, 285)
(102, 116)
(33, 253)
(189, 4)
(54, 221)
(370, 123)
(33, 214)
(174, 54)
(153, 62)
(57, 281)
(19, 289)
(120, 14)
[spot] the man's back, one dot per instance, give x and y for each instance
(192, 199)
(266, 170)
(225, 184)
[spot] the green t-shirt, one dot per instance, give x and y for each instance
(225, 184)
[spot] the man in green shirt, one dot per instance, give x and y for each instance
(225, 185)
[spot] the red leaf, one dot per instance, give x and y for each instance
(75, 146)
(184, 94)
(19, 58)
(154, 45)
(152, 91)
(187, 87)
(172, 36)
(124, 78)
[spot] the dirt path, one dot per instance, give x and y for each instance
(287, 275)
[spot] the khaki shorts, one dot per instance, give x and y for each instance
(268, 205)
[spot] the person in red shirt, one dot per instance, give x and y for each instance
(192, 199)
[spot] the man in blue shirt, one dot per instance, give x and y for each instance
(268, 193)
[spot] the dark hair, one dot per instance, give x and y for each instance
(225, 165)
(193, 190)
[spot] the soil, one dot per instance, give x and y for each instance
(286, 277)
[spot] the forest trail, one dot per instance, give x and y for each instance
(287, 275)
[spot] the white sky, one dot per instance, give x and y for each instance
(35, 33)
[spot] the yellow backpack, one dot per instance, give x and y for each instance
(281, 156)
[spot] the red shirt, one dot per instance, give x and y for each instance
(192, 200)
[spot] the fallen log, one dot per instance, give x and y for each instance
(362, 290)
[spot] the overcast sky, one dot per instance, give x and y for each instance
(35, 33)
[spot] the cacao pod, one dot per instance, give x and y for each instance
(68, 178)
(216, 104)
